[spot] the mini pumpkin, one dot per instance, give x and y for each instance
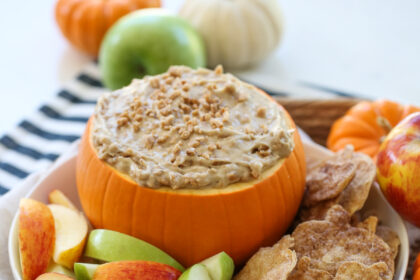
(192, 225)
(84, 23)
(366, 124)
(237, 33)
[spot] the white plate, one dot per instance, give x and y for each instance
(62, 177)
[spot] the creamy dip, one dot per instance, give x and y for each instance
(190, 129)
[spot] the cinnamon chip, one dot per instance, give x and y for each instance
(333, 241)
(390, 238)
(369, 224)
(359, 271)
(329, 179)
(355, 193)
(304, 271)
(272, 263)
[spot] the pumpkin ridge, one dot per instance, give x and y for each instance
(295, 191)
(164, 225)
(69, 27)
(261, 211)
(90, 160)
(133, 211)
(104, 198)
(281, 198)
(228, 221)
(191, 237)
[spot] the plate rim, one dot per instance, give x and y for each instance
(13, 246)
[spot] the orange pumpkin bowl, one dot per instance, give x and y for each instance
(192, 225)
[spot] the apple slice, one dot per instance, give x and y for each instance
(58, 197)
(196, 272)
(53, 276)
(220, 266)
(36, 237)
(85, 271)
(54, 267)
(136, 270)
(71, 232)
(108, 245)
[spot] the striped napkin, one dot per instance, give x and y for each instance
(38, 140)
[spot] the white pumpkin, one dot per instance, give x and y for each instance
(237, 33)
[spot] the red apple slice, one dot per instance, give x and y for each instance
(58, 197)
(136, 270)
(71, 233)
(36, 237)
(53, 276)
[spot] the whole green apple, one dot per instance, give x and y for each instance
(147, 42)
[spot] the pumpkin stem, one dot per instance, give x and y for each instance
(384, 123)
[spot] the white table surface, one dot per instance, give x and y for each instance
(366, 47)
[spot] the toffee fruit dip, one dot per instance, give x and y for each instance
(190, 129)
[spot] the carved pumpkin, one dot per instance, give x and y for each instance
(192, 225)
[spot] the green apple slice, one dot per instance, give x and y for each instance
(196, 272)
(220, 266)
(53, 267)
(84, 271)
(108, 245)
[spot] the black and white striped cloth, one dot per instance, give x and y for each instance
(39, 139)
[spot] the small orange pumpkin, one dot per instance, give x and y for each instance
(84, 22)
(416, 270)
(192, 225)
(366, 124)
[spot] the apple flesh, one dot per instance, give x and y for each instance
(85, 271)
(398, 168)
(57, 197)
(57, 268)
(147, 42)
(196, 272)
(71, 233)
(36, 237)
(53, 276)
(220, 266)
(108, 246)
(136, 270)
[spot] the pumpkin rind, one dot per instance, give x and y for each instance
(192, 225)
(360, 127)
(84, 22)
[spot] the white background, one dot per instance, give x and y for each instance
(369, 47)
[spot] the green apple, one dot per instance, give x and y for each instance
(108, 246)
(196, 272)
(84, 271)
(147, 42)
(220, 266)
(53, 267)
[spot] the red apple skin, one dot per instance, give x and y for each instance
(398, 168)
(53, 276)
(136, 270)
(36, 237)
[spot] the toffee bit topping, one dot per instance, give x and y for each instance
(218, 70)
(176, 128)
(261, 111)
